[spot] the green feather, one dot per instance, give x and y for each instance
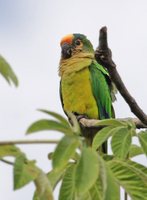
(101, 90)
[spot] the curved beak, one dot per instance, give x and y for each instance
(66, 50)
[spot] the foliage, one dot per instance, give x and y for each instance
(93, 175)
(7, 72)
(84, 171)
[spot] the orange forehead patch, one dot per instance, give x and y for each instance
(67, 39)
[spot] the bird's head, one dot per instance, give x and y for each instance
(73, 44)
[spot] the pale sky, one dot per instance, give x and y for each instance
(30, 33)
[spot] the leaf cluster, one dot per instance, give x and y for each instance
(87, 173)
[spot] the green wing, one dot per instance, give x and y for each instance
(101, 90)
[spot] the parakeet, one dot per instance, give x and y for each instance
(85, 85)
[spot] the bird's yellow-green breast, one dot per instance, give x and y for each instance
(77, 93)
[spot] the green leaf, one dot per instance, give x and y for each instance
(65, 151)
(9, 150)
(101, 184)
(56, 116)
(24, 172)
(106, 187)
(103, 135)
(55, 175)
(87, 171)
(7, 72)
(68, 184)
(135, 150)
(143, 140)
(45, 124)
(95, 192)
(121, 142)
(113, 190)
(98, 190)
(130, 178)
(86, 196)
(43, 187)
(140, 168)
(110, 122)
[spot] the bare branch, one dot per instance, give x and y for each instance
(7, 161)
(29, 142)
(87, 123)
(104, 57)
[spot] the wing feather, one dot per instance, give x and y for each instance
(101, 90)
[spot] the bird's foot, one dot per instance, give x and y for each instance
(81, 116)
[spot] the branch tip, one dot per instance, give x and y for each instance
(103, 56)
(103, 29)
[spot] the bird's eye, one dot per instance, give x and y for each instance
(77, 42)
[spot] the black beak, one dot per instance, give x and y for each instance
(66, 50)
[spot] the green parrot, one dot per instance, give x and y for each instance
(85, 86)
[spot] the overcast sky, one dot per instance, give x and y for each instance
(30, 32)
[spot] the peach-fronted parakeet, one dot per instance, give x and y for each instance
(84, 86)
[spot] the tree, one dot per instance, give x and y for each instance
(85, 172)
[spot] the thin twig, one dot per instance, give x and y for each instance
(7, 161)
(29, 142)
(104, 57)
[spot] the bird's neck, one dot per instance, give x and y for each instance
(76, 63)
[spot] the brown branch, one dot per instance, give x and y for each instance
(29, 142)
(87, 123)
(103, 56)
